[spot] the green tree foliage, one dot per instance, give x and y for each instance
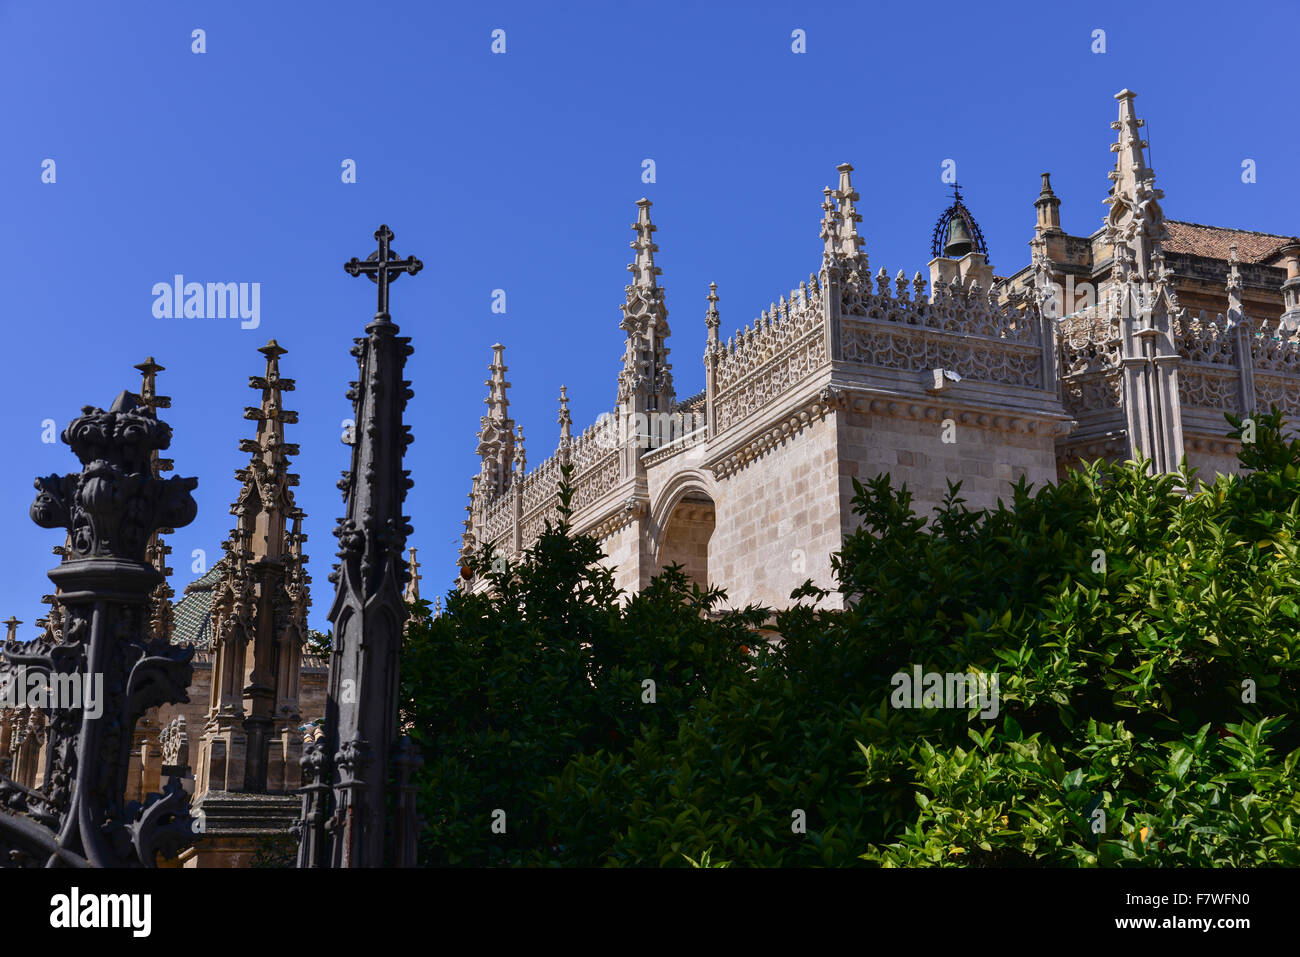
(1143, 637)
(318, 642)
(503, 689)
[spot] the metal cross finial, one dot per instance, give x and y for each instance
(383, 267)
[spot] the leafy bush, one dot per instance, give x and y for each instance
(504, 688)
(1143, 638)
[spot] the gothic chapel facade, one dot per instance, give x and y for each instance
(962, 376)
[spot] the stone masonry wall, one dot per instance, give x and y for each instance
(986, 461)
(778, 520)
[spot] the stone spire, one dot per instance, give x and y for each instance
(498, 402)
(711, 318)
(160, 617)
(259, 611)
(712, 353)
(1237, 326)
(849, 242)
(565, 422)
(1236, 313)
(1048, 242)
(1143, 295)
(517, 491)
(344, 819)
(496, 440)
(412, 593)
(643, 269)
(11, 629)
(297, 586)
(468, 539)
(830, 232)
(1135, 216)
(1048, 209)
(645, 384)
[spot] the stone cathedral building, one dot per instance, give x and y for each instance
(1134, 338)
(258, 689)
(255, 689)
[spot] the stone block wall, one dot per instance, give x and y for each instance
(985, 460)
(623, 552)
(686, 540)
(778, 519)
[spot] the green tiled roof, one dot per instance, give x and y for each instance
(192, 615)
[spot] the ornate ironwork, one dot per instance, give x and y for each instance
(346, 770)
(382, 267)
(111, 509)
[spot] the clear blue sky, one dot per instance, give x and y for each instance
(521, 172)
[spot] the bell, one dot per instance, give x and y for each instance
(959, 241)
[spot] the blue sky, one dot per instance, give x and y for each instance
(520, 171)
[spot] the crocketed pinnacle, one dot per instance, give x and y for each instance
(643, 268)
(711, 317)
(850, 243)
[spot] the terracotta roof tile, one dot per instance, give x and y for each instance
(1193, 239)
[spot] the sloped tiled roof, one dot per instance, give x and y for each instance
(1193, 239)
(192, 615)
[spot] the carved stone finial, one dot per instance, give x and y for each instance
(645, 382)
(149, 397)
(830, 231)
(157, 550)
(1048, 208)
(1236, 313)
(643, 268)
(711, 317)
(849, 242)
(496, 436)
(565, 422)
(412, 593)
(1135, 219)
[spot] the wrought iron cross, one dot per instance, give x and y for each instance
(383, 267)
